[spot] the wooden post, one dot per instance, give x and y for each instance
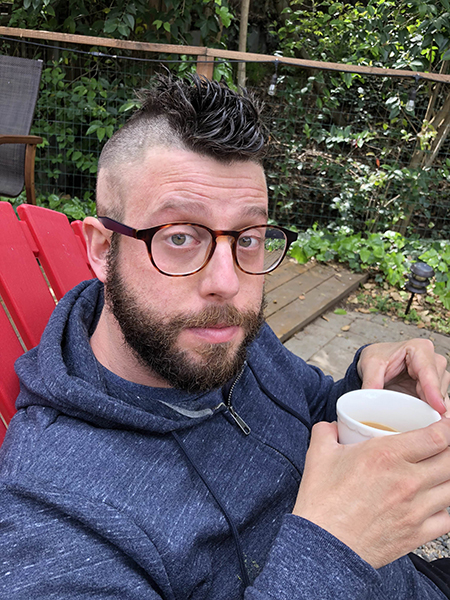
(245, 7)
(30, 154)
(205, 66)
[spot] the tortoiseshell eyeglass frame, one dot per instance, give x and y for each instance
(147, 235)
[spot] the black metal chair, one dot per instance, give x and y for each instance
(19, 87)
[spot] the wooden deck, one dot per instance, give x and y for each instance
(298, 294)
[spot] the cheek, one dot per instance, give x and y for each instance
(251, 291)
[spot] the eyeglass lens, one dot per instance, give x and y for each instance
(182, 249)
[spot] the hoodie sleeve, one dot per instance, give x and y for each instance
(308, 563)
(50, 551)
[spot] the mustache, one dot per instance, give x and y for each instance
(211, 316)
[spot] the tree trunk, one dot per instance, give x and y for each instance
(245, 7)
(424, 159)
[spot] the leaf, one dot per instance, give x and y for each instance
(101, 131)
(123, 30)
(110, 26)
(345, 328)
(129, 20)
(94, 126)
(340, 311)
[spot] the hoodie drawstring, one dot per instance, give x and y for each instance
(191, 461)
(232, 525)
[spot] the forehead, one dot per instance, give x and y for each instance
(173, 185)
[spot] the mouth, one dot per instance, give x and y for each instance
(216, 334)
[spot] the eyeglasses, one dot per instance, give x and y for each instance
(180, 249)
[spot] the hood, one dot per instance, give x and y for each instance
(62, 373)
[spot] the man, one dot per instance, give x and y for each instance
(160, 442)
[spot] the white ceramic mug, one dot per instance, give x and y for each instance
(361, 412)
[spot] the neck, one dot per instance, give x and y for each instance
(112, 351)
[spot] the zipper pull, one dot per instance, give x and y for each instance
(239, 421)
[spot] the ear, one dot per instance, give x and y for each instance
(98, 240)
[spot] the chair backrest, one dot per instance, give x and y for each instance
(30, 289)
(19, 87)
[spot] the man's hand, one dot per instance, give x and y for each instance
(383, 498)
(411, 367)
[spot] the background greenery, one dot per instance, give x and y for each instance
(353, 165)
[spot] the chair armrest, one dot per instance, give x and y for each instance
(20, 139)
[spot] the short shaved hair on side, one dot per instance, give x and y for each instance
(194, 114)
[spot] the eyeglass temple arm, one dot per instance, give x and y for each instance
(117, 227)
(291, 236)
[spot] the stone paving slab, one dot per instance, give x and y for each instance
(323, 343)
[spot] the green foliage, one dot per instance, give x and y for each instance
(349, 138)
(176, 21)
(413, 33)
(387, 255)
(72, 207)
(74, 115)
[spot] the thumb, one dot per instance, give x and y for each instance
(324, 434)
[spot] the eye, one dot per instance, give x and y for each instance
(250, 240)
(178, 239)
(245, 242)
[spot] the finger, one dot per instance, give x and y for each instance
(434, 526)
(429, 387)
(323, 434)
(435, 473)
(445, 385)
(428, 370)
(421, 444)
(373, 376)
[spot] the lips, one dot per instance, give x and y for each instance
(215, 334)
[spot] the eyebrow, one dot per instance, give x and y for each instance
(251, 210)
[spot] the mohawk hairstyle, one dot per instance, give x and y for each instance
(194, 114)
(206, 116)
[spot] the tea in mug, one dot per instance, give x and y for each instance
(379, 426)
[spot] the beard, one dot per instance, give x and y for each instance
(153, 337)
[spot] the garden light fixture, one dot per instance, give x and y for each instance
(273, 82)
(418, 281)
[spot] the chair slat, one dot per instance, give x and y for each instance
(59, 250)
(22, 286)
(10, 350)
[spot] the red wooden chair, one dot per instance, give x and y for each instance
(41, 258)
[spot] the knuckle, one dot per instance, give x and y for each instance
(438, 438)
(441, 361)
(409, 487)
(384, 458)
(427, 344)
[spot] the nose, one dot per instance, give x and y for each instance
(220, 276)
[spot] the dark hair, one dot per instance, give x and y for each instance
(206, 116)
(195, 114)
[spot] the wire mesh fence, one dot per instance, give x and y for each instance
(364, 152)
(360, 152)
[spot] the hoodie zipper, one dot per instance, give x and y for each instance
(229, 407)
